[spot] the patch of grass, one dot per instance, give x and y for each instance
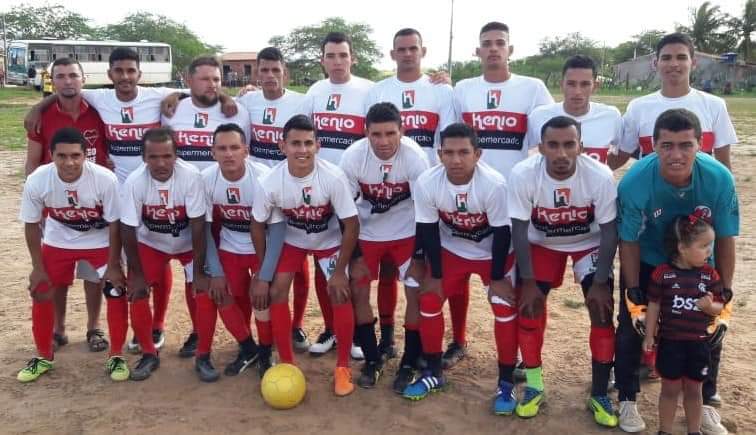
(14, 103)
(571, 303)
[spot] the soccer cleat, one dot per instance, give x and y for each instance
(369, 374)
(530, 404)
(356, 352)
(35, 368)
(325, 343)
(158, 338)
(242, 362)
(425, 385)
(133, 346)
(404, 376)
(189, 347)
(454, 354)
(205, 369)
(603, 413)
(711, 422)
(117, 368)
(342, 381)
(715, 401)
(299, 340)
(505, 401)
(145, 366)
(630, 419)
(264, 362)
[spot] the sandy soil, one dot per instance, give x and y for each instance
(78, 398)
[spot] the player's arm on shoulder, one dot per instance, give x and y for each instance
(170, 102)
(34, 151)
(33, 119)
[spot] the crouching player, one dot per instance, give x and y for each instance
(562, 204)
(313, 197)
(81, 202)
(163, 214)
(463, 229)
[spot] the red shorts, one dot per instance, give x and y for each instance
(60, 264)
(458, 270)
(238, 269)
(154, 261)
(291, 258)
(549, 265)
(398, 251)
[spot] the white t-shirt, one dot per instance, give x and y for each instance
(309, 205)
(467, 212)
(499, 113)
(385, 187)
(194, 126)
(642, 112)
(426, 109)
(78, 213)
(267, 119)
(125, 123)
(564, 215)
(161, 210)
(338, 112)
(229, 203)
(600, 128)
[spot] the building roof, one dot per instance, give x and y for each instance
(239, 55)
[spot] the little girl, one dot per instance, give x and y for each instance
(684, 297)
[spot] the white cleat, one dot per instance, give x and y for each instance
(711, 422)
(630, 419)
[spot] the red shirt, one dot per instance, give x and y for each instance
(89, 124)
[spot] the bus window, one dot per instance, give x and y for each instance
(161, 54)
(86, 53)
(103, 53)
(39, 53)
(60, 51)
(145, 54)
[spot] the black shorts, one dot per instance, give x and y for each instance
(678, 358)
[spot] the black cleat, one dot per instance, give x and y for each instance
(404, 376)
(454, 354)
(144, 367)
(205, 369)
(264, 360)
(369, 374)
(158, 338)
(299, 340)
(387, 349)
(189, 347)
(242, 362)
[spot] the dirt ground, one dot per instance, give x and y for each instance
(77, 397)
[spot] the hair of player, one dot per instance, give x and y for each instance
(579, 61)
(409, 31)
(123, 53)
(383, 112)
(272, 54)
(298, 122)
(677, 120)
(494, 25)
(158, 135)
(203, 61)
(335, 38)
(229, 127)
(460, 130)
(675, 38)
(684, 230)
(67, 135)
(561, 122)
(65, 61)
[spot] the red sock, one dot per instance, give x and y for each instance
(191, 305)
(602, 344)
(343, 323)
(141, 323)
(43, 320)
(505, 331)
(161, 294)
(280, 319)
(324, 300)
(118, 323)
(245, 306)
(301, 291)
(458, 310)
(206, 316)
(388, 290)
(431, 322)
(530, 338)
(234, 321)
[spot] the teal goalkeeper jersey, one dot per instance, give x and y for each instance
(647, 204)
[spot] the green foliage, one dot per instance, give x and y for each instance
(464, 70)
(185, 44)
(301, 48)
(46, 21)
(642, 44)
(743, 27)
(707, 28)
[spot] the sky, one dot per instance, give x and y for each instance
(248, 25)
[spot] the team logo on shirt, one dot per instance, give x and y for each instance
(334, 101)
(408, 99)
(493, 99)
(233, 195)
(200, 119)
(466, 225)
(269, 116)
(385, 195)
(308, 218)
(705, 212)
(73, 198)
(386, 170)
(461, 202)
(163, 195)
(127, 115)
(562, 197)
(232, 216)
(702, 287)
(307, 194)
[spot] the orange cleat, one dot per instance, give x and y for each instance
(342, 380)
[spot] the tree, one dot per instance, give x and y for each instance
(642, 44)
(570, 45)
(185, 45)
(706, 23)
(29, 22)
(743, 27)
(301, 48)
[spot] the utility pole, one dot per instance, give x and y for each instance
(5, 53)
(451, 31)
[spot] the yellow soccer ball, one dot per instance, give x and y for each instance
(283, 386)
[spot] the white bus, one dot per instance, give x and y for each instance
(154, 59)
